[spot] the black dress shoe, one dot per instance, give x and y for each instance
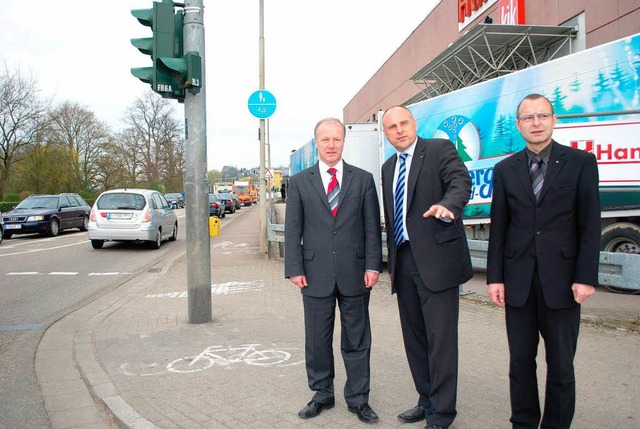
(314, 408)
(413, 415)
(434, 426)
(365, 413)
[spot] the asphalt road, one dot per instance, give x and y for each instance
(42, 280)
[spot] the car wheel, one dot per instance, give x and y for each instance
(54, 228)
(7, 235)
(1, 235)
(158, 241)
(174, 236)
(85, 223)
(97, 244)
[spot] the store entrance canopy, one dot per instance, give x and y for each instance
(488, 51)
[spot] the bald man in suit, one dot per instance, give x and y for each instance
(428, 259)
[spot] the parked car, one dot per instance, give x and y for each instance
(216, 206)
(175, 200)
(1, 227)
(47, 215)
(236, 200)
(139, 215)
(229, 205)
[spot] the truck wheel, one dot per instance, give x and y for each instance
(621, 237)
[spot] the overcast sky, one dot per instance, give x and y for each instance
(317, 56)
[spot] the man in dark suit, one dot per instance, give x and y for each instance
(543, 260)
(333, 252)
(425, 187)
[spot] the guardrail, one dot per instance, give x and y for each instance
(616, 270)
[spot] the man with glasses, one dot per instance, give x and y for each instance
(543, 261)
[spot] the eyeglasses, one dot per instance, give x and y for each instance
(531, 118)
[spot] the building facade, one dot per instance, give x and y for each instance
(462, 42)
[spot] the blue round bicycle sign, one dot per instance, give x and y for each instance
(262, 104)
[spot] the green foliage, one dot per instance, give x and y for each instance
(6, 206)
(11, 198)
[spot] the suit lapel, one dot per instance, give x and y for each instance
(316, 180)
(556, 162)
(417, 160)
(390, 168)
(522, 172)
(347, 178)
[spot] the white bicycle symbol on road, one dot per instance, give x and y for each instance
(217, 356)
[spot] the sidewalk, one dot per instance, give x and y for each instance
(128, 353)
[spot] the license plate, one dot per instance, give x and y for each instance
(119, 216)
(12, 226)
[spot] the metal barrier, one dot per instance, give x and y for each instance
(616, 270)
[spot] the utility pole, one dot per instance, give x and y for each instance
(196, 186)
(263, 186)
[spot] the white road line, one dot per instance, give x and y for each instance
(42, 250)
(62, 273)
(25, 273)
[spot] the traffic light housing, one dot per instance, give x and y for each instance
(165, 49)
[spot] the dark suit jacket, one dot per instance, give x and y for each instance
(437, 176)
(332, 251)
(560, 234)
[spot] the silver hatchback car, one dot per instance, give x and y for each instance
(140, 215)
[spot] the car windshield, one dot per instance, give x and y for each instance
(121, 201)
(38, 203)
(173, 196)
(213, 198)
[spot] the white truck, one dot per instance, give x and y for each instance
(596, 95)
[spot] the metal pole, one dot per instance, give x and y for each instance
(196, 186)
(263, 186)
(270, 179)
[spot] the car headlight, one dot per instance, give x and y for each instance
(35, 218)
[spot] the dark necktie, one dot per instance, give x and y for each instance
(332, 191)
(537, 178)
(398, 208)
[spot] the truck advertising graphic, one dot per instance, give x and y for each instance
(595, 94)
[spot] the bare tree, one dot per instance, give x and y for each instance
(76, 128)
(22, 115)
(157, 137)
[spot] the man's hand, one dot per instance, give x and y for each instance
(439, 212)
(496, 293)
(581, 292)
(300, 281)
(370, 278)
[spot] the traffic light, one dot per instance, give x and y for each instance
(165, 47)
(186, 71)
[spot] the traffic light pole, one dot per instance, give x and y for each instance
(196, 187)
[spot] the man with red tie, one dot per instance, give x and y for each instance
(333, 253)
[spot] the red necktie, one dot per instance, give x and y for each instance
(332, 191)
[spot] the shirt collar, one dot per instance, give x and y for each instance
(409, 150)
(544, 154)
(324, 167)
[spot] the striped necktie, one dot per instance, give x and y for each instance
(398, 208)
(332, 191)
(537, 178)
